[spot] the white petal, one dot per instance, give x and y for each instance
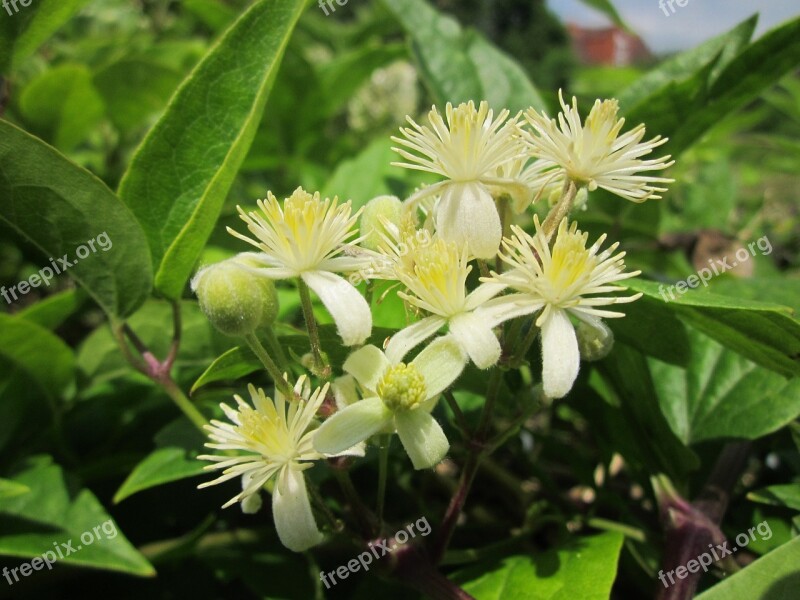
(483, 293)
(352, 425)
(422, 437)
(367, 365)
(466, 214)
(291, 511)
(440, 364)
(505, 308)
(344, 391)
(412, 336)
(560, 355)
(476, 337)
(347, 306)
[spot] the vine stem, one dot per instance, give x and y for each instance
(561, 209)
(269, 364)
(320, 367)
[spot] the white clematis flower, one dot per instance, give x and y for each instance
(467, 150)
(397, 397)
(435, 276)
(275, 437)
(561, 282)
(595, 155)
(306, 239)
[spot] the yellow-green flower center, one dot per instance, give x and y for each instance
(402, 387)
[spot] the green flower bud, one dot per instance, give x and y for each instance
(389, 208)
(236, 301)
(594, 341)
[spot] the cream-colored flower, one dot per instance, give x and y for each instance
(595, 154)
(397, 397)
(435, 277)
(307, 238)
(561, 282)
(467, 150)
(275, 438)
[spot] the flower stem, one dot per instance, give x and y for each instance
(180, 399)
(561, 209)
(320, 368)
(269, 365)
(275, 347)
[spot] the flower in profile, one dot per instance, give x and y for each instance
(595, 155)
(435, 277)
(307, 238)
(561, 282)
(276, 439)
(467, 150)
(397, 397)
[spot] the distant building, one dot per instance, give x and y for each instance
(609, 46)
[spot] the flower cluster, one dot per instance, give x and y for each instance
(483, 263)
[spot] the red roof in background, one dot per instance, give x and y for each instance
(610, 46)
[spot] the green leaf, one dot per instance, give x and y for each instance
(175, 459)
(722, 395)
(9, 489)
(215, 14)
(62, 105)
(60, 207)
(234, 364)
(459, 65)
(365, 176)
(585, 568)
(56, 512)
(653, 329)
(762, 332)
(607, 8)
(720, 49)
(54, 310)
(684, 111)
(22, 33)
(177, 182)
(771, 577)
(778, 495)
(46, 359)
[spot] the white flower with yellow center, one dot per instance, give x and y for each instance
(435, 277)
(276, 439)
(595, 155)
(306, 238)
(397, 397)
(467, 150)
(561, 282)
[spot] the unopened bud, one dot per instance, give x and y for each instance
(594, 341)
(377, 213)
(235, 300)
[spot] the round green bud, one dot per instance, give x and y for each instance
(376, 213)
(235, 300)
(594, 341)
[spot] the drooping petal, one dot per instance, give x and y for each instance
(422, 437)
(505, 308)
(402, 342)
(482, 294)
(344, 391)
(347, 306)
(291, 511)
(352, 425)
(367, 365)
(477, 338)
(560, 355)
(440, 364)
(467, 215)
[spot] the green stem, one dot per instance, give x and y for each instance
(320, 368)
(561, 209)
(276, 348)
(361, 513)
(180, 399)
(269, 365)
(461, 420)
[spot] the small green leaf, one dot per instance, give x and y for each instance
(778, 495)
(234, 364)
(585, 568)
(164, 465)
(60, 207)
(772, 577)
(722, 395)
(365, 176)
(177, 182)
(764, 333)
(607, 8)
(9, 489)
(46, 359)
(54, 310)
(54, 512)
(459, 65)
